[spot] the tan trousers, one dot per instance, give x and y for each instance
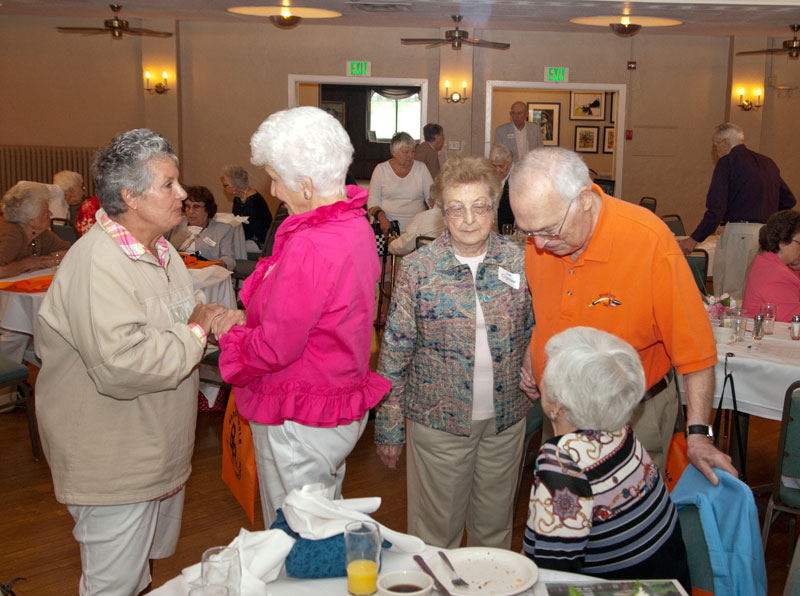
(453, 480)
(737, 247)
(653, 422)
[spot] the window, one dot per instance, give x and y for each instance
(392, 111)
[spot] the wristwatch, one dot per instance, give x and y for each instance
(700, 429)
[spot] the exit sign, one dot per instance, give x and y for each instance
(556, 74)
(358, 68)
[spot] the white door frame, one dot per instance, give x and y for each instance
(619, 125)
(295, 79)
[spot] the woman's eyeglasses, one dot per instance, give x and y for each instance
(457, 211)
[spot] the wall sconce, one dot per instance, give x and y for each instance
(455, 96)
(747, 105)
(159, 88)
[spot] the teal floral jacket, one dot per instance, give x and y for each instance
(428, 349)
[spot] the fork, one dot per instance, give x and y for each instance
(457, 581)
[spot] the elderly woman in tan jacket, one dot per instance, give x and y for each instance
(121, 333)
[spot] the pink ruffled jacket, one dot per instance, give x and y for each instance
(304, 352)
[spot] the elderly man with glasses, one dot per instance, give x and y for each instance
(600, 262)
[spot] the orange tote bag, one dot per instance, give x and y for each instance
(239, 460)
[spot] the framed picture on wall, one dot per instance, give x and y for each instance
(586, 139)
(334, 108)
(609, 139)
(612, 117)
(587, 105)
(548, 117)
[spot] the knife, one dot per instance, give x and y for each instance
(439, 587)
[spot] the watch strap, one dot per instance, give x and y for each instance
(700, 429)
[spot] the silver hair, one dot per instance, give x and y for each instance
(66, 179)
(236, 175)
(501, 152)
(304, 142)
(24, 201)
(126, 163)
(597, 378)
(564, 170)
(401, 139)
(728, 131)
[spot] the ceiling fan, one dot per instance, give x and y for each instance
(116, 26)
(790, 46)
(455, 37)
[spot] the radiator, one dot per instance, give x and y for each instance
(38, 164)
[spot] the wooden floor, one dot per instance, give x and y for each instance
(35, 530)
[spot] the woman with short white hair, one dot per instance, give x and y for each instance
(599, 505)
(247, 202)
(71, 183)
(400, 187)
(300, 364)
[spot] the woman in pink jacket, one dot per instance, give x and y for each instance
(300, 363)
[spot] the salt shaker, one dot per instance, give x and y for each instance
(758, 326)
(794, 330)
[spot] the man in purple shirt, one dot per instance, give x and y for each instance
(746, 188)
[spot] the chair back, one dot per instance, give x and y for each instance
(64, 229)
(675, 224)
(698, 263)
(280, 214)
(648, 203)
(788, 460)
(694, 539)
(423, 240)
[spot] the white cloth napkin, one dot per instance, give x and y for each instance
(213, 272)
(229, 218)
(261, 555)
(311, 513)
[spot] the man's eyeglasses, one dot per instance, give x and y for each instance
(457, 211)
(548, 235)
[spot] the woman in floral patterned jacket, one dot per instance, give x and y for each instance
(458, 329)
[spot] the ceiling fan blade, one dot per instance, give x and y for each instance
(482, 43)
(147, 32)
(419, 40)
(437, 44)
(768, 51)
(83, 30)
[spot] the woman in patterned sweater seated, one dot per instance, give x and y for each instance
(599, 505)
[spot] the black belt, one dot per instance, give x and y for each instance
(659, 387)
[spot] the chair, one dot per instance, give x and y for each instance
(648, 203)
(694, 539)
(244, 267)
(698, 263)
(15, 375)
(675, 224)
(64, 229)
(785, 497)
(533, 424)
(423, 240)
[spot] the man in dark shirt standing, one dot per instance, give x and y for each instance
(746, 188)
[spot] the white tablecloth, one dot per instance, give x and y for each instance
(239, 248)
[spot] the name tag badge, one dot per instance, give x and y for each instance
(510, 135)
(209, 241)
(508, 278)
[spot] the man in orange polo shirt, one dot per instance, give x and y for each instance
(597, 261)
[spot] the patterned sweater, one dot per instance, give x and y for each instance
(599, 506)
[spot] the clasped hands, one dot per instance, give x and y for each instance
(216, 319)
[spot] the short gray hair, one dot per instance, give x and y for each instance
(597, 378)
(401, 139)
(564, 170)
(24, 201)
(66, 179)
(728, 131)
(236, 175)
(304, 142)
(126, 164)
(501, 152)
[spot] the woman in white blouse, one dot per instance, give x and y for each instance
(400, 187)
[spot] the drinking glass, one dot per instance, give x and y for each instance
(362, 546)
(738, 326)
(768, 310)
(220, 566)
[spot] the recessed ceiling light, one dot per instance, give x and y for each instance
(285, 11)
(626, 20)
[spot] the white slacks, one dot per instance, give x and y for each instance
(453, 480)
(291, 455)
(117, 541)
(737, 247)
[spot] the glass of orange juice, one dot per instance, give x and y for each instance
(362, 546)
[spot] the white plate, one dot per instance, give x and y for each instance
(489, 571)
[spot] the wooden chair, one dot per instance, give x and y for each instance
(786, 499)
(15, 375)
(698, 263)
(675, 224)
(64, 229)
(648, 203)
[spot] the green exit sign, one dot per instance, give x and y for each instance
(556, 74)
(358, 68)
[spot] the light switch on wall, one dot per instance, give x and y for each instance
(454, 145)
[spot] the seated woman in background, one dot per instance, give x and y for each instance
(599, 505)
(502, 159)
(71, 183)
(247, 202)
(198, 234)
(774, 275)
(26, 242)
